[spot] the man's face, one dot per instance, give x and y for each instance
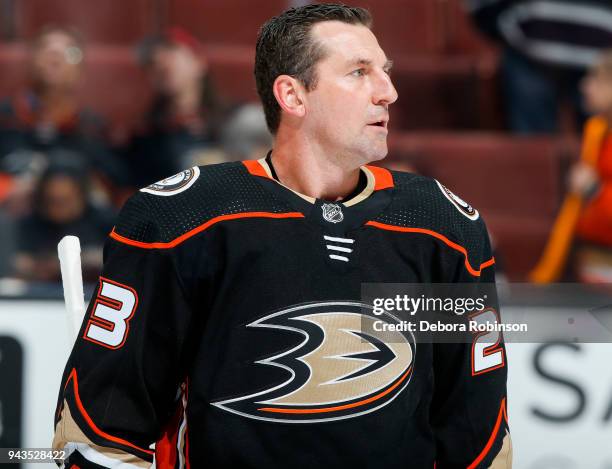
(56, 61)
(597, 91)
(62, 201)
(348, 110)
(174, 68)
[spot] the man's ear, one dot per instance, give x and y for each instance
(290, 95)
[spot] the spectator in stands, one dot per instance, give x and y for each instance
(62, 207)
(185, 116)
(547, 46)
(246, 135)
(586, 215)
(47, 115)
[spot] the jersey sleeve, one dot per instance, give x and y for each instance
(469, 408)
(122, 380)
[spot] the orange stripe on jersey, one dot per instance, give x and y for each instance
(383, 177)
(340, 407)
(92, 425)
(165, 448)
(255, 168)
(444, 239)
(501, 415)
(170, 244)
(486, 264)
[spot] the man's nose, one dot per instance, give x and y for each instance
(385, 91)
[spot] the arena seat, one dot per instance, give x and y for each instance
(461, 35)
(115, 86)
(112, 85)
(231, 68)
(445, 73)
(516, 183)
(433, 93)
(406, 26)
(221, 21)
(454, 92)
(107, 21)
(12, 68)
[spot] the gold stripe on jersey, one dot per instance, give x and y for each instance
(367, 190)
(503, 459)
(68, 431)
(364, 194)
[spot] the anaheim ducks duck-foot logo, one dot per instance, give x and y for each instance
(464, 208)
(341, 368)
(174, 184)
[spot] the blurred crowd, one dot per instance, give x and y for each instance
(62, 173)
(557, 62)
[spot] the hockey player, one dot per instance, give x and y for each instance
(227, 328)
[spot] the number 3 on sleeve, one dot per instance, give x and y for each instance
(109, 322)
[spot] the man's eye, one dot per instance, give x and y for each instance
(358, 73)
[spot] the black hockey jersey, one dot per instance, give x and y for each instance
(226, 331)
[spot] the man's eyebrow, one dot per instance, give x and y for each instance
(360, 61)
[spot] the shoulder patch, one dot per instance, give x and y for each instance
(464, 208)
(174, 184)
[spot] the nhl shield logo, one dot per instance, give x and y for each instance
(332, 213)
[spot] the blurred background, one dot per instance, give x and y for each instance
(507, 103)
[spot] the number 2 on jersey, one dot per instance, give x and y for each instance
(113, 308)
(487, 353)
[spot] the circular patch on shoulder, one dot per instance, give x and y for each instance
(174, 184)
(464, 208)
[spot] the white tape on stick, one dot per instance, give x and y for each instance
(69, 252)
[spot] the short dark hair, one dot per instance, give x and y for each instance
(285, 47)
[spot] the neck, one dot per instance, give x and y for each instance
(187, 101)
(309, 169)
(55, 96)
(56, 103)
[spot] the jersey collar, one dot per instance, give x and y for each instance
(377, 179)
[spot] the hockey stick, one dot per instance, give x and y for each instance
(69, 252)
(552, 262)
